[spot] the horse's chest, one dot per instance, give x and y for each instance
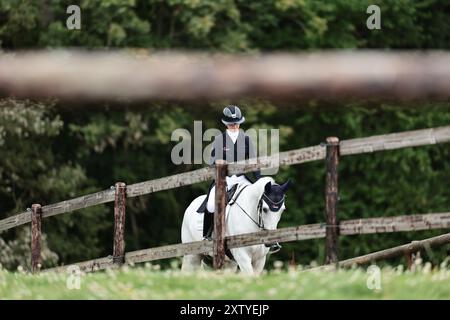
(258, 251)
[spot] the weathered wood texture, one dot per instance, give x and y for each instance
(285, 158)
(409, 257)
(60, 207)
(170, 182)
(36, 235)
(404, 223)
(297, 156)
(306, 232)
(392, 141)
(93, 76)
(88, 266)
(78, 203)
(414, 246)
(219, 214)
(331, 200)
(15, 220)
(144, 255)
(119, 223)
(169, 251)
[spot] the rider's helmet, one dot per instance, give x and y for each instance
(232, 114)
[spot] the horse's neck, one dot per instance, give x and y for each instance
(253, 193)
(248, 202)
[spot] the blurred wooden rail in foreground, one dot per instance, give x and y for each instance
(121, 76)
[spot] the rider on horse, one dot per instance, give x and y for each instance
(232, 145)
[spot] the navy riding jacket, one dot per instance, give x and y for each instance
(225, 149)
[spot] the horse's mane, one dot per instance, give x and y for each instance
(261, 183)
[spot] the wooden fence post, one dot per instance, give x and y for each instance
(36, 230)
(331, 200)
(219, 214)
(409, 256)
(119, 223)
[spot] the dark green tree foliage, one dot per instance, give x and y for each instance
(52, 152)
(226, 25)
(33, 170)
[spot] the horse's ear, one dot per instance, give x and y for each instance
(267, 187)
(285, 186)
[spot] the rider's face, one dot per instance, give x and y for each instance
(233, 126)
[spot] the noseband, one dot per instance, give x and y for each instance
(273, 205)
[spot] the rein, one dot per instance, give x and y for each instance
(260, 222)
(274, 206)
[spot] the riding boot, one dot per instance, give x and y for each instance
(208, 225)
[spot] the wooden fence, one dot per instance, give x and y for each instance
(406, 249)
(330, 151)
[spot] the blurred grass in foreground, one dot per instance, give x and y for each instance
(149, 282)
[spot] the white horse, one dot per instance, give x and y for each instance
(258, 207)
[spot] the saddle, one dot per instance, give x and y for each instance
(230, 200)
(229, 196)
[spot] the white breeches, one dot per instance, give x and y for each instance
(210, 206)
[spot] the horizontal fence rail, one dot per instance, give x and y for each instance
(393, 141)
(306, 232)
(393, 252)
(347, 147)
(186, 76)
(170, 182)
(60, 207)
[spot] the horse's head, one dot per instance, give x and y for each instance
(272, 204)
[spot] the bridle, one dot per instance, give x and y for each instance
(272, 204)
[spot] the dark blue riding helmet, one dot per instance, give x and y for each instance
(232, 114)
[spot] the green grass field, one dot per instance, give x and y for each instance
(150, 283)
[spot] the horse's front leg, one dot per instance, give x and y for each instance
(258, 264)
(243, 259)
(191, 262)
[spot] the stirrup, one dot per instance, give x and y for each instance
(208, 236)
(274, 247)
